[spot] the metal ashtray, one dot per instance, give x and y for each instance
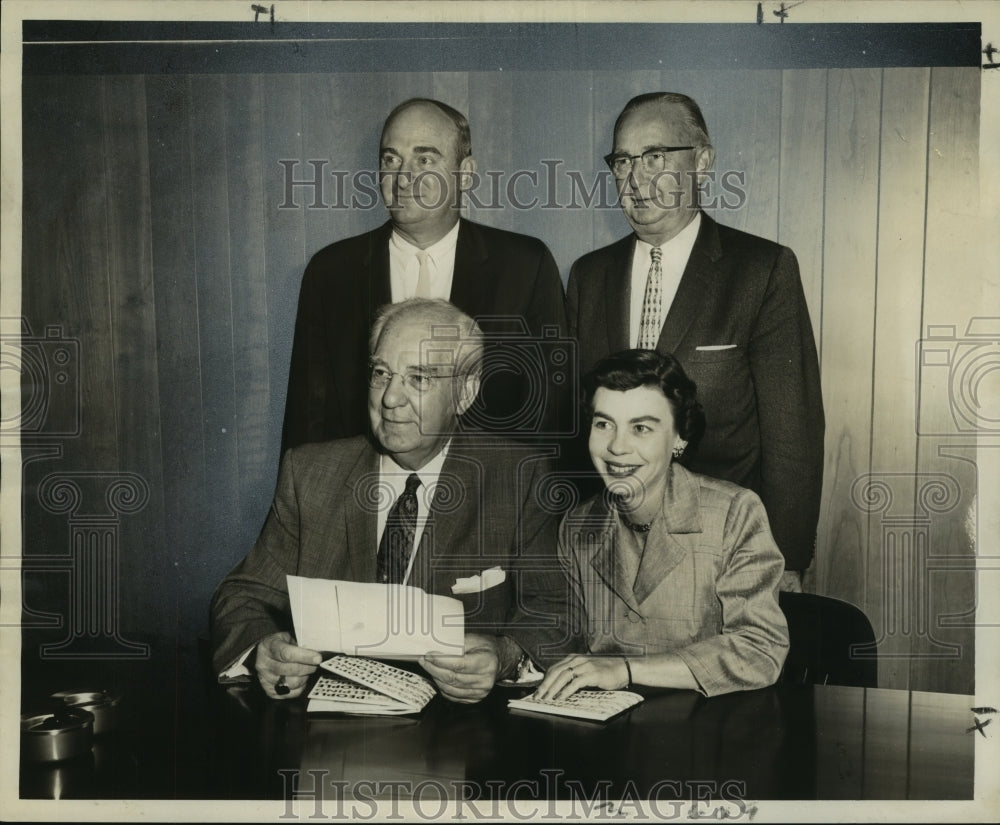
(103, 704)
(64, 733)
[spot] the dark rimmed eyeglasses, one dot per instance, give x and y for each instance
(653, 160)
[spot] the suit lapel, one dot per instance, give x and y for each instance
(376, 266)
(699, 278)
(607, 563)
(361, 488)
(674, 533)
(475, 280)
(618, 292)
(663, 553)
(447, 527)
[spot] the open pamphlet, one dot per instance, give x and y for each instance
(385, 621)
(596, 705)
(365, 686)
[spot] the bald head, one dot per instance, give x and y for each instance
(456, 122)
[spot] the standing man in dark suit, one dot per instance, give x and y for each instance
(410, 506)
(508, 282)
(728, 305)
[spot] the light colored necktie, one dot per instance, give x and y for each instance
(424, 276)
(649, 324)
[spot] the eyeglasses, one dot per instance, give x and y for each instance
(379, 377)
(653, 160)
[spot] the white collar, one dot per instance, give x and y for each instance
(435, 250)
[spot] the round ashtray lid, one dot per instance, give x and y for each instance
(102, 703)
(52, 723)
(89, 698)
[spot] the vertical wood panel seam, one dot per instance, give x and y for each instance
(302, 141)
(152, 288)
(194, 254)
(923, 305)
(228, 239)
(923, 257)
(109, 253)
(874, 362)
(258, 96)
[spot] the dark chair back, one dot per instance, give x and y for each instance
(831, 642)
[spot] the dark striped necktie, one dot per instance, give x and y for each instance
(397, 539)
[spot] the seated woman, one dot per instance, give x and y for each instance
(677, 573)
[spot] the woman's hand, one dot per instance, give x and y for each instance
(578, 672)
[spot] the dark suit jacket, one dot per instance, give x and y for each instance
(323, 524)
(706, 587)
(511, 278)
(762, 399)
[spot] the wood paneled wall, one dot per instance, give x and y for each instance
(154, 235)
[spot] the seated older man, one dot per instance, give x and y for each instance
(424, 372)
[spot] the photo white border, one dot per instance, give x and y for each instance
(987, 805)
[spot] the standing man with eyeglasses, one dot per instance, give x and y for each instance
(728, 305)
(508, 282)
(415, 505)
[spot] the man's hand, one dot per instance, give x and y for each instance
(791, 581)
(471, 677)
(278, 656)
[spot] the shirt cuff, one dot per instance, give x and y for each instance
(239, 670)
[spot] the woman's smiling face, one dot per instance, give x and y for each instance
(632, 437)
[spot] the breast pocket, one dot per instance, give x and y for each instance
(725, 390)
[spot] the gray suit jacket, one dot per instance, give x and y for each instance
(488, 510)
(761, 393)
(706, 587)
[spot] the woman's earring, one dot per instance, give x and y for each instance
(679, 448)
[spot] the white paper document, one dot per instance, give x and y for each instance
(387, 621)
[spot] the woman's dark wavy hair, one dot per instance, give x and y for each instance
(634, 368)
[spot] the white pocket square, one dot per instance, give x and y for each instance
(715, 347)
(490, 577)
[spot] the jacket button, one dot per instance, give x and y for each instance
(634, 618)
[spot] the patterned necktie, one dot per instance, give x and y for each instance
(397, 540)
(424, 276)
(649, 324)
